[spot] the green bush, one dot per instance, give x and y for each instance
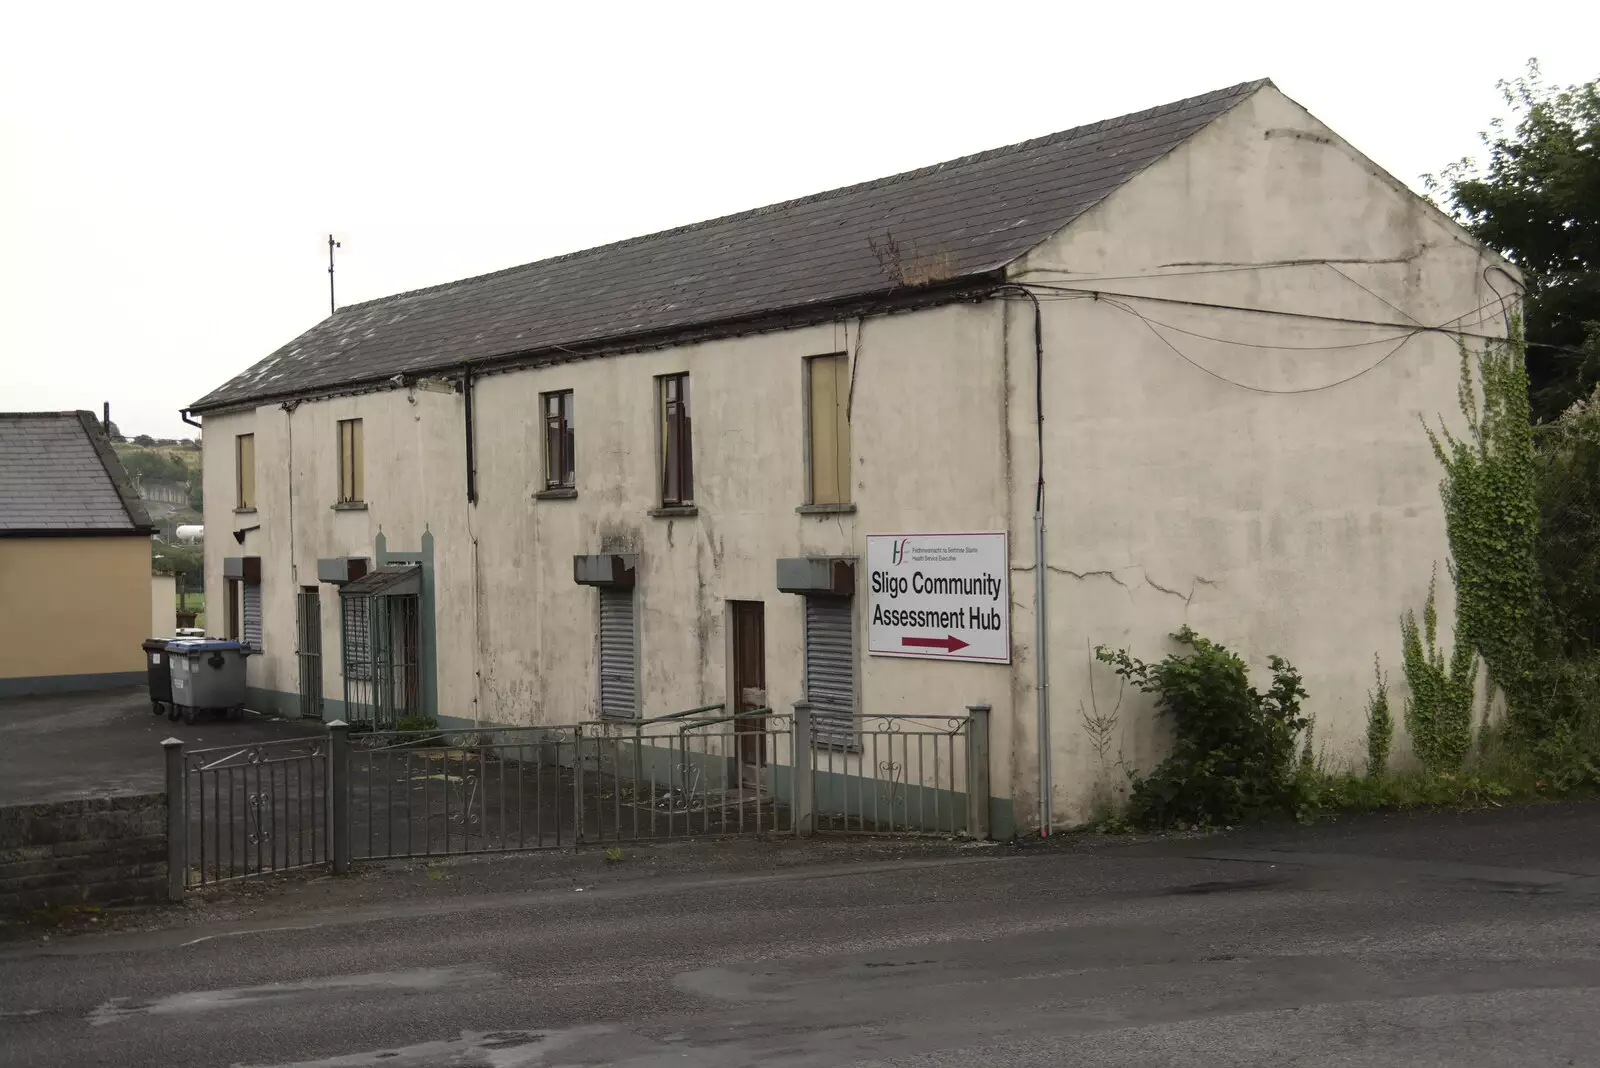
(1234, 747)
(415, 723)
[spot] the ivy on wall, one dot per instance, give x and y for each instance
(1492, 518)
(1439, 713)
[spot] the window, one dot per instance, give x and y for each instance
(619, 661)
(560, 467)
(828, 391)
(351, 487)
(244, 470)
(677, 469)
(830, 669)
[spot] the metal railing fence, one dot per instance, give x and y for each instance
(250, 810)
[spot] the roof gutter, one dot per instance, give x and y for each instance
(78, 532)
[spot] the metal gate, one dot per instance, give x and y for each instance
(308, 645)
(896, 774)
(249, 810)
(381, 641)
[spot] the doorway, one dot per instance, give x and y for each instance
(308, 627)
(749, 686)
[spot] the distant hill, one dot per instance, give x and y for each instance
(168, 474)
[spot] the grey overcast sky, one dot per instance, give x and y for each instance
(168, 173)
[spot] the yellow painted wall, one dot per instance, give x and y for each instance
(73, 606)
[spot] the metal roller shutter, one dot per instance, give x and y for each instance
(831, 669)
(252, 615)
(619, 687)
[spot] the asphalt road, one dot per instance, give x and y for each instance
(1440, 940)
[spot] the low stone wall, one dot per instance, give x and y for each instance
(95, 850)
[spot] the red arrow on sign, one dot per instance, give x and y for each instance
(949, 644)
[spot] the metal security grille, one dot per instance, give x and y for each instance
(308, 647)
(252, 615)
(831, 669)
(381, 638)
(619, 687)
(355, 643)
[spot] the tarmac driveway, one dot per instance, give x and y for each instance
(66, 746)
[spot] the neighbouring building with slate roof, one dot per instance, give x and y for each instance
(1163, 369)
(74, 557)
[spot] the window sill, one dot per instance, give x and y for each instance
(827, 509)
(350, 506)
(675, 511)
(557, 493)
(244, 511)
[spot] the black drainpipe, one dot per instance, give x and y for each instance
(472, 459)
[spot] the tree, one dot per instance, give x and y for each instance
(154, 466)
(186, 560)
(114, 434)
(144, 439)
(1569, 524)
(1537, 202)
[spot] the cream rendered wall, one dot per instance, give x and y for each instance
(516, 636)
(414, 481)
(1299, 524)
(163, 605)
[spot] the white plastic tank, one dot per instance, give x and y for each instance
(191, 532)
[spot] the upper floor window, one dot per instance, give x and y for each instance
(560, 460)
(352, 488)
(244, 466)
(677, 450)
(828, 444)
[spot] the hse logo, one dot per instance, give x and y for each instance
(899, 554)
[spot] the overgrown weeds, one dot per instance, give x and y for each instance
(1439, 713)
(1380, 723)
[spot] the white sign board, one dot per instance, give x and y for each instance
(939, 596)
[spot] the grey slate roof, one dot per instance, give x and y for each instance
(59, 475)
(961, 219)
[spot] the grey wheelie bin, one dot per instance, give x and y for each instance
(207, 676)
